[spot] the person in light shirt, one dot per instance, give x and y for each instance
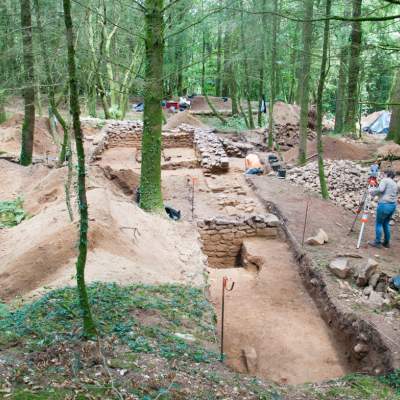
(252, 163)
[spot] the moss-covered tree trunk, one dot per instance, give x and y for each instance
(394, 119)
(262, 57)
(354, 69)
(306, 70)
(88, 324)
(272, 78)
(3, 114)
(29, 80)
(219, 53)
(320, 94)
(150, 181)
(341, 90)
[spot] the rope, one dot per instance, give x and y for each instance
(283, 223)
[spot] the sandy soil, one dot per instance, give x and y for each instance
(271, 312)
(48, 255)
(182, 118)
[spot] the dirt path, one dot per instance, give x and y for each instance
(272, 313)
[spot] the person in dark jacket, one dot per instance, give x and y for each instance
(387, 192)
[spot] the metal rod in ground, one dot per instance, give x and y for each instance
(364, 218)
(305, 223)
(223, 313)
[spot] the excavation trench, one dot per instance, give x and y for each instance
(280, 323)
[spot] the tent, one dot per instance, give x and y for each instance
(380, 126)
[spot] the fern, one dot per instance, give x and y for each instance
(11, 212)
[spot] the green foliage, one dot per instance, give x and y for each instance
(392, 380)
(115, 112)
(11, 212)
(4, 309)
(59, 311)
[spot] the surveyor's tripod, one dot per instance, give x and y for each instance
(365, 204)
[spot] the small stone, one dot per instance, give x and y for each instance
(250, 360)
(364, 271)
(232, 211)
(361, 348)
(186, 337)
(184, 258)
(340, 267)
(373, 280)
(380, 287)
(368, 290)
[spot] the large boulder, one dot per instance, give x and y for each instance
(375, 301)
(340, 267)
(320, 238)
(364, 270)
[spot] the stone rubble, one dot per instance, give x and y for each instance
(212, 153)
(319, 239)
(346, 181)
(237, 149)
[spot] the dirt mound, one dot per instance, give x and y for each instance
(182, 118)
(199, 103)
(334, 149)
(11, 137)
(369, 119)
(125, 179)
(286, 113)
(16, 179)
(41, 251)
(389, 148)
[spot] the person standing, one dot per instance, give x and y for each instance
(328, 116)
(387, 192)
(251, 163)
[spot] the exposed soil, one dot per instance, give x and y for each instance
(291, 202)
(182, 118)
(199, 103)
(369, 119)
(286, 113)
(11, 137)
(270, 311)
(334, 149)
(389, 149)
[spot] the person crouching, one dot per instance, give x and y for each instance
(251, 163)
(387, 192)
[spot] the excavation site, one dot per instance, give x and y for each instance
(285, 316)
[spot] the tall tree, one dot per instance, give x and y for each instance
(320, 95)
(150, 181)
(341, 90)
(354, 69)
(29, 90)
(273, 76)
(219, 52)
(3, 114)
(306, 70)
(394, 119)
(262, 58)
(88, 324)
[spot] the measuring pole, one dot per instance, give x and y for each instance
(366, 212)
(360, 206)
(223, 312)
(305, 222)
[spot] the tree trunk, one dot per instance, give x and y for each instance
(394, 119)
(150, 181)
(320, 95)
(272, 81)
(341, 90)
(29, 80)
(226, 67)
(307, 37)
(354, 68)
(262, 57)
(218, 80)
(88, 324)
(3, 114)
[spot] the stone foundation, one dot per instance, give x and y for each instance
(223, 236)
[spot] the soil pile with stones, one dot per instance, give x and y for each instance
(334, 149)
(288, 136)
(346, 182)
(182, 118)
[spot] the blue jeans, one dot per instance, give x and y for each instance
(384, 214)
(252, 171)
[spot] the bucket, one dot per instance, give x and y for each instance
(282, 173)
(276, 165)
(272, 159)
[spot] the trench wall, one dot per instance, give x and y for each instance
(222, 237)
(348, 328)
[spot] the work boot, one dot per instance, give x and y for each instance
(375, 244)
(386, 244)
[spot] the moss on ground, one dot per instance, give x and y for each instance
(137, 356)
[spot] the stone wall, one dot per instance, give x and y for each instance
(211, 151)
(129, 134)
(223, 236)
